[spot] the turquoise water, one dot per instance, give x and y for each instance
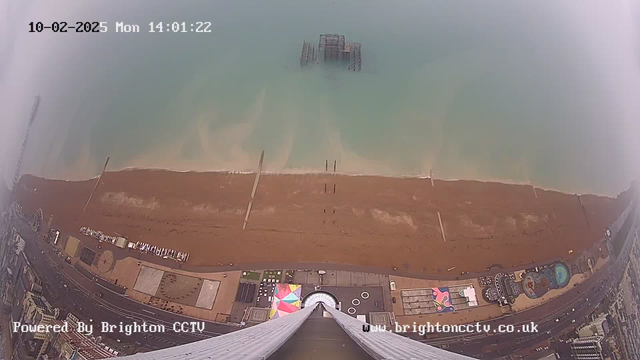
(503, 91)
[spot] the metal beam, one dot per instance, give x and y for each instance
(256, 342)
(387, 345)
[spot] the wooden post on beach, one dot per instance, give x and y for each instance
(96, 186)
(548, 227)
(584, 211)
(534, 191)
(253, 191)
(326, 166)
(441, 227)
(431, 177)
(335, 163)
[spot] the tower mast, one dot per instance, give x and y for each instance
(32, 116)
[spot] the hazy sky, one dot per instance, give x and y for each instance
(31, 64)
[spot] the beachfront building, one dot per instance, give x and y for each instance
(74, 345)
(37, 311)
(598, 326)
(587, 348)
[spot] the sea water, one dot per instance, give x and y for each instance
(490, 91)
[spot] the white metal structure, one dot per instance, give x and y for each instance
(261, 341)
(255, 342)
(318, 297)
(387, 345)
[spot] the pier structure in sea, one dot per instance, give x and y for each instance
(308, 54)
(332, 48)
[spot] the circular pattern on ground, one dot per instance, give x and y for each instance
(355, 302)
(176, 287)
(490, 294)
(105, 261)
(320, 296)
(562, 274)
(364, 295)
(351, 311)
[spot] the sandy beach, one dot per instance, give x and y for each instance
(370, 221)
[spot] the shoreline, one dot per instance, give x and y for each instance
(305, 171)
(382, 222)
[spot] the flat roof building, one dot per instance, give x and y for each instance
(37, 311)
(598, 326)
(587, 348)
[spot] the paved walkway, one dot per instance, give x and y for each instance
(119, 254)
